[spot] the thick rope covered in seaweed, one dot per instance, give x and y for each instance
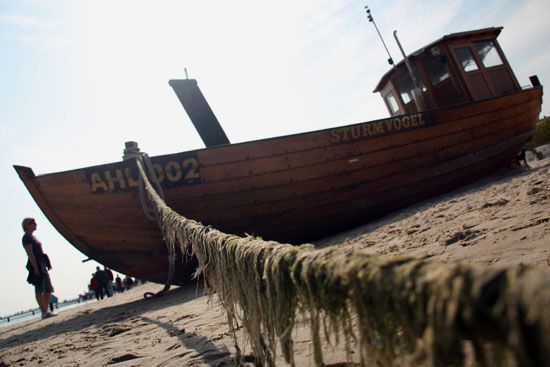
(398, 309)
(131, 152)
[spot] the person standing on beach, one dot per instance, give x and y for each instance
(103, 280)
(37, 264)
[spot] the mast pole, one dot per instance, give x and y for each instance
(371, 19)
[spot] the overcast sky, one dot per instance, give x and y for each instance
(79, 78)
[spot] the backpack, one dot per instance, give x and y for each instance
(31, 278)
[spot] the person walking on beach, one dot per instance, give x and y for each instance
(54, 301)
(109, 273)
(95, 287)
(128, 282)
(118, 282)
(37, 264)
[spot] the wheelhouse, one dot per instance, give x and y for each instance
(457, 68)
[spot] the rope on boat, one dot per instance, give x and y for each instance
(394, 310)
(132, 151)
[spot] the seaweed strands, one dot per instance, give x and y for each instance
(397, 310)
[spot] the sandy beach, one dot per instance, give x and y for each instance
(500, 220)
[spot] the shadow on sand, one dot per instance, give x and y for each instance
(86, 318)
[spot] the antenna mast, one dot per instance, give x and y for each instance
(371, 19)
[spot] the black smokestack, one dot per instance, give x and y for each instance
(199, 112)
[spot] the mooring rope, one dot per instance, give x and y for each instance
(132, 152)
(397, 310)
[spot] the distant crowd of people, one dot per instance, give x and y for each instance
(103, 283)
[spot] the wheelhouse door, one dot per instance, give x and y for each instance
(473, 73)
(500, 77)
(485, 70)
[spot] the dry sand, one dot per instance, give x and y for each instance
(498, 221)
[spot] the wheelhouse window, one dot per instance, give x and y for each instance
(436, 68)
(405, 86)
(488, 53)
(392, 103)
(466, 58)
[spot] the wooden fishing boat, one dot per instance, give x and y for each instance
(460, 117)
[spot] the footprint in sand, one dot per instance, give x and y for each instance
(464, 236)
(123, 358)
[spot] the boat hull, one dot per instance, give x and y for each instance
(291, 189)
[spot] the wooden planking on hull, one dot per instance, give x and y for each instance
(459, 112)
(346, 213)
(498, 153)
(386, 168)
(237, 201)
(381, 182)
(176, 195)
